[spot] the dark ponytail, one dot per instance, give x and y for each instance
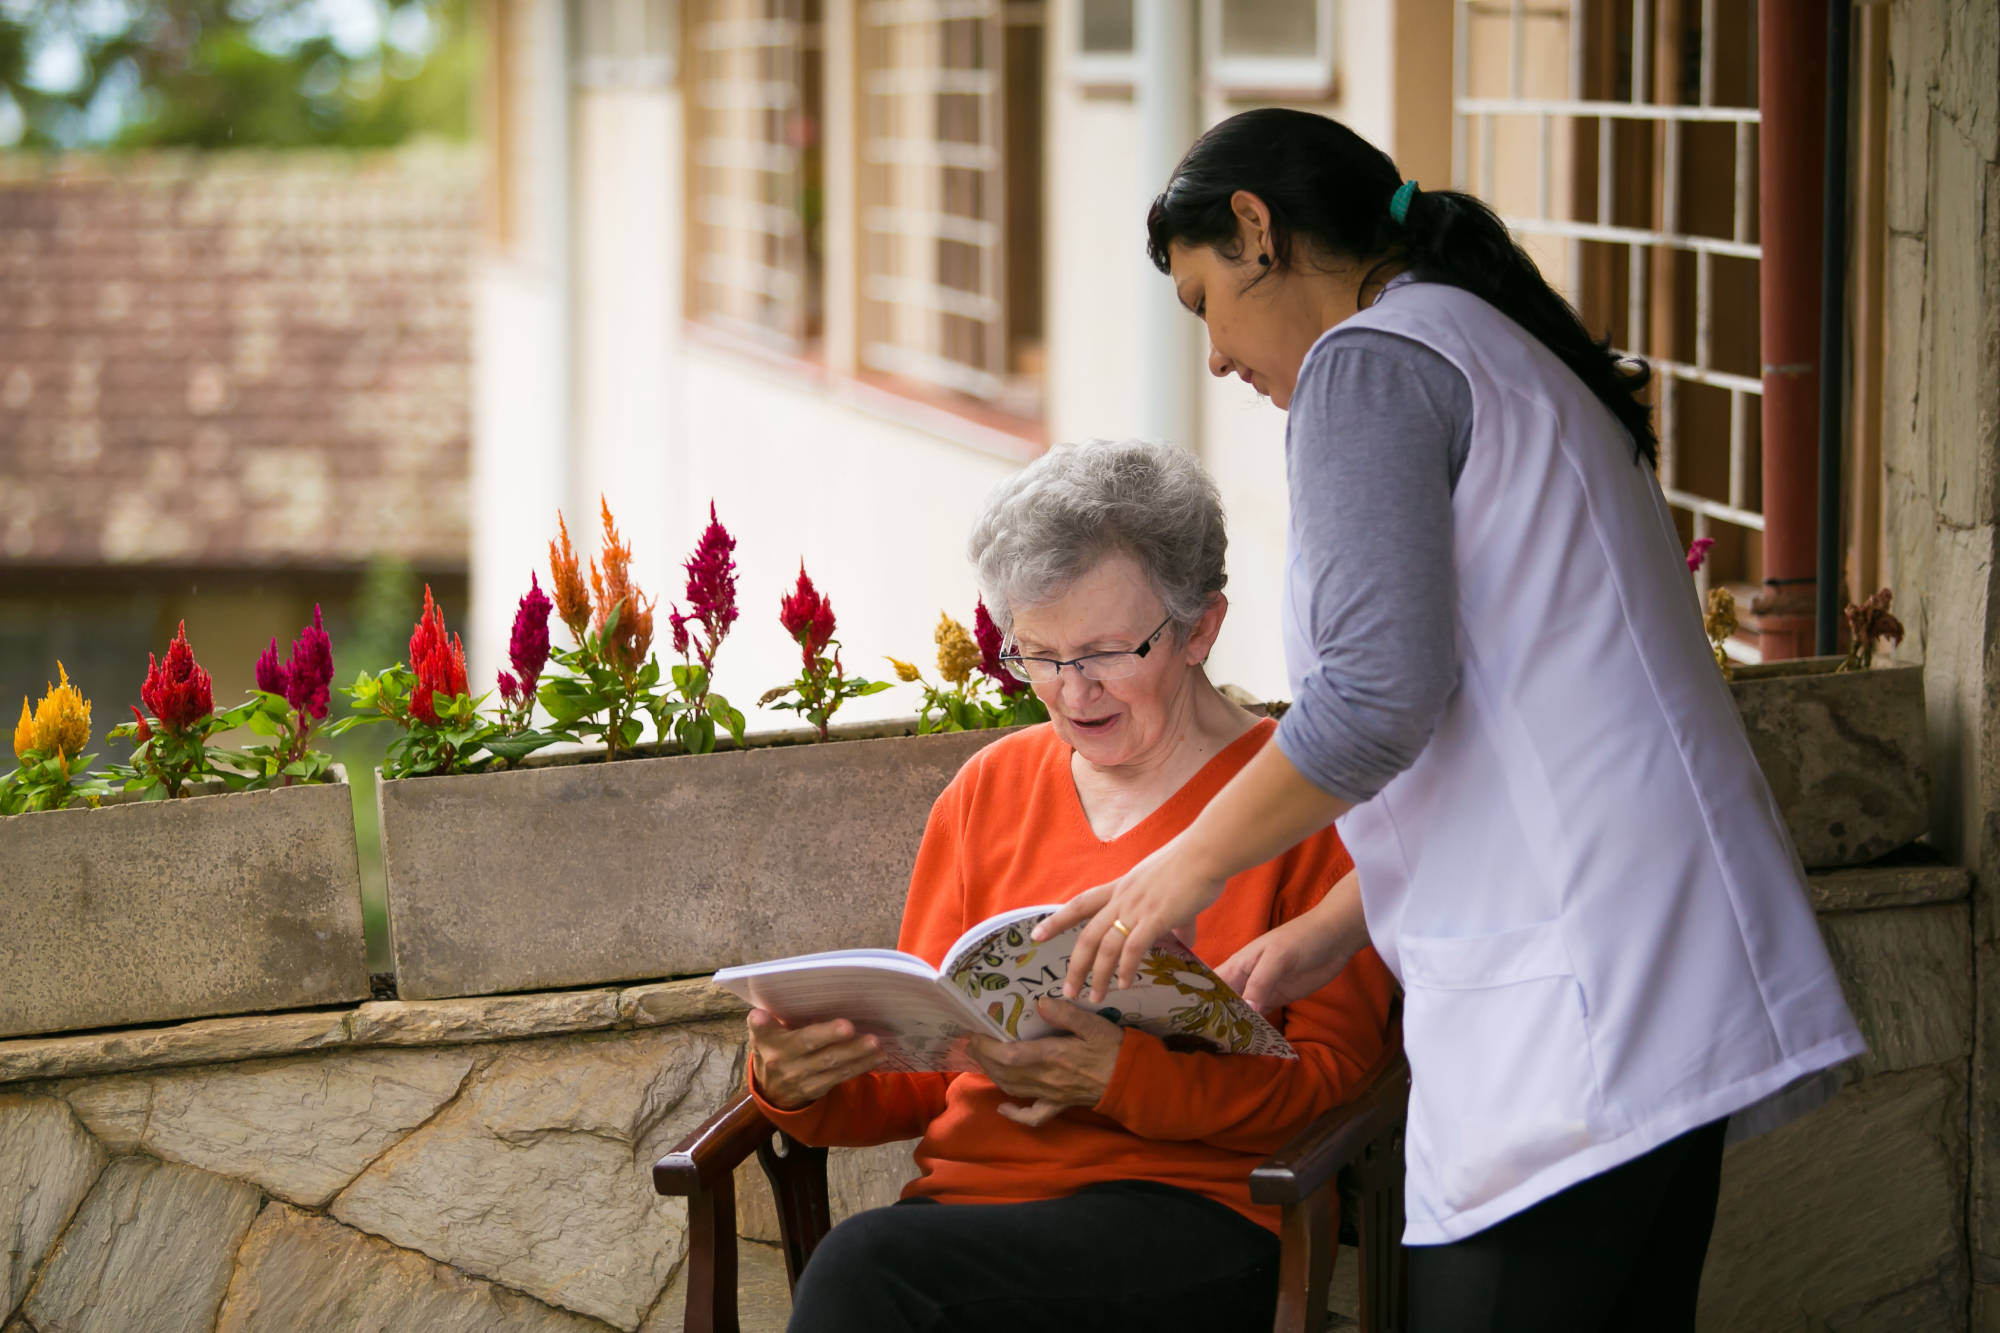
(1325, 183)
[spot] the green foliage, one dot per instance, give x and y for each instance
(50, 782)
(821, 687)
(165, 766)
(460, 741)
(235, 73)
(702, 712)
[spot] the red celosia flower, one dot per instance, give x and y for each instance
(437, 660)
(566, 577)
(144, 732)
(1698, 552)
(271, 674)
(177, 690)
(711, 591)
(528, 645)
(309, 675)
(807, 617)
(990, 642)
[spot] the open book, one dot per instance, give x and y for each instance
(988, 986)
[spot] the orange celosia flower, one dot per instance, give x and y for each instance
(566, 580)
(24, 731)
(62, 719)
(633, 636)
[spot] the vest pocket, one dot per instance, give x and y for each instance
(1502, 1080)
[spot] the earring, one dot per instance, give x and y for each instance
(1264, 260)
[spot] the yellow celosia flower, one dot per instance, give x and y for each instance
(24, 731)
(905, 671)
(62, 720)
(958, 655)
(1720, 623)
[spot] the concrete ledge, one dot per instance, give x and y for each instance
(1871, 888)
(376, 1024)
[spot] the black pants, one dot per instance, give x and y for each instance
(1123, 1255)
(1621, 1251)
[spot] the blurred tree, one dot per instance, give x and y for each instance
(232, 73)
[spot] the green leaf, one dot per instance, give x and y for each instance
(629, 733)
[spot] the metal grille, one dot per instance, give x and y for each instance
(933, 187)
(753, 154)
(1618, 138)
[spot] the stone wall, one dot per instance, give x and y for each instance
(458, 1165)
(484, 1164)
(1941, 483)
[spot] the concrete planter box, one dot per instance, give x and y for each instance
(1844, 754)
(577, 873)
(152, 911)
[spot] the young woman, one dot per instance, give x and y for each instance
(1501, 690)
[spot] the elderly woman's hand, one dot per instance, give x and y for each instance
(1053, 1073)
(795, 1067)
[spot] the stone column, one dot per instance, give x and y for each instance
(1941, 486)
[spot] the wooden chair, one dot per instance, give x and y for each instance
(1354, 1151)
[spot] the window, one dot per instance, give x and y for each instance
(622, 43)
(753, 108)
(1106, 51)
(950, 183)
(1270, 46)
(1620, 140)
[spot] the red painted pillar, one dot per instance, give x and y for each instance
(1791, 101)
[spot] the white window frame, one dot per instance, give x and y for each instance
(1103, 69)
(1310, 76)
(630, 64)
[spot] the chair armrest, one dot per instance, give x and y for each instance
(1339, 1138)
(713, 1151)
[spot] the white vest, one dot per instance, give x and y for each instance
(1582, 882)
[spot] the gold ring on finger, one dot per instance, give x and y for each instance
(1120, 927)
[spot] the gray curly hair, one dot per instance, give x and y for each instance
(1052, 522)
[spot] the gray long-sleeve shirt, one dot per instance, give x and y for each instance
(1378, 434)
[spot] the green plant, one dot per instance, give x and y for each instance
(822, 684)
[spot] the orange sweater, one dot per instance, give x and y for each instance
(1010, 832)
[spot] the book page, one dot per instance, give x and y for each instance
(1177, 997)
(897, 998)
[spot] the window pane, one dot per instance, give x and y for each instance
(1107, 27)
(1287, 28)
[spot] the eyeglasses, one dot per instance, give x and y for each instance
(1091, 666)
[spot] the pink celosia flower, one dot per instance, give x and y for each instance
(528, 645)
(807, 617)
(990, 642)
(309, 675)
(711, 592)
(271, 675)
(1698, 552)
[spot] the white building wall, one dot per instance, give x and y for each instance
(874, 493)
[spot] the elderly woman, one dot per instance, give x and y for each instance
(1098, 1179)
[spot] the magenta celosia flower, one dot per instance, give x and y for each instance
(990, 643)
(271, 674)
(309, 675)
(528, 645)
(711, 592)
(807, 617)
(1698, 552)
(510, 689)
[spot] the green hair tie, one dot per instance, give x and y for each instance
(1399, 203)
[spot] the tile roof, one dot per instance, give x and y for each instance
(236, 359)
